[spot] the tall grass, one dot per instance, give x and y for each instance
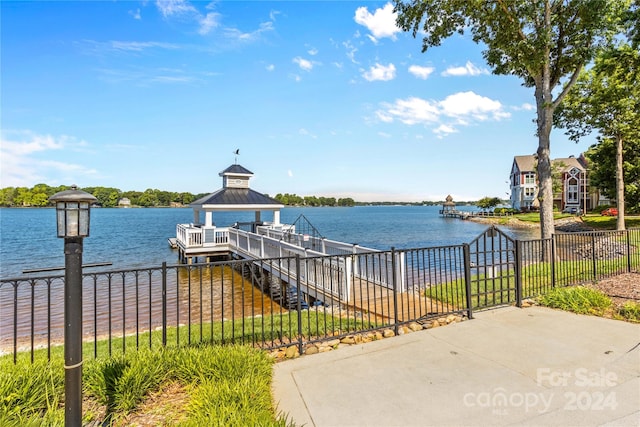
(577, 299)
(227, 385)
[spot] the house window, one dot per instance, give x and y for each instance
(530, 178)
(529, 192)
(572, 190)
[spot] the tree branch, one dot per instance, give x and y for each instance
(567, 87)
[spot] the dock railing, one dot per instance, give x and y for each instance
(241, 301)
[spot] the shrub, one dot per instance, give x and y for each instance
(30, 393)
(630, 311)
(577, 299)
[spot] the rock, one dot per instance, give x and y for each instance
(450, 318)
(324, 349)
(332, 343)
(435, 324)
(291, 352)
(348, 340)
(312, 349)
(388, 333)
(377, 335)
(415, 326)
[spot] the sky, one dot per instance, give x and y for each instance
(322, 98)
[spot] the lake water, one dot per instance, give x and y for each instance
(131, 238)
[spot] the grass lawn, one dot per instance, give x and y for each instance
(190, 382)
(191, 386)
(609, 222)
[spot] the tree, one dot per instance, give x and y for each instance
(602, 170)
(544, 42)
(488, 202)
(606, 98)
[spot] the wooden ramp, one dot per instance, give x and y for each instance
(379, 301)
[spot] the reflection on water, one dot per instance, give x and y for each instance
(121, 303)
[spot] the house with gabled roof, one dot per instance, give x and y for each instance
(570, 188)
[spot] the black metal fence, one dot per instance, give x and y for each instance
(269, 303)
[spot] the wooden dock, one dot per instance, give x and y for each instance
(378, 301)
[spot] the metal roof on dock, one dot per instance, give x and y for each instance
(236, 196)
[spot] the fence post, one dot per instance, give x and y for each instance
(518, 273)
(395, 290)
(298, 305)
(164, 304)
(467, 279)
(628, 251)
(553, 260)
(593, 257)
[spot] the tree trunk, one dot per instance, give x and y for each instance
(545, 182)
(619, 184)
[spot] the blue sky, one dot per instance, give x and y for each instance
(322, 98)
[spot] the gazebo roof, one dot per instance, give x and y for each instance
(449, 201)
(235, 194)
(236, 169)
(237, 197)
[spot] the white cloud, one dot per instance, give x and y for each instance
(413, 110)
(444, 130)
(468, 70)
(290, 173)
(138, 46)
(351, 51)
(305, 132)
(135, 14)
(174, 7)
(234, 33)
(526, 107)
(304, 64)
(384, 134)
(383, 116)
(270, 67)
(421, 72)
(209, 22)
(380, 72)
(382, 23)
(468, 104)
(313, 51)
(21, 163)
(459, 109)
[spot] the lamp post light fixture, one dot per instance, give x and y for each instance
(72, 214)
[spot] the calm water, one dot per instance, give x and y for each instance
(131, 238)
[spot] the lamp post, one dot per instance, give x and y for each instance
(72, 214)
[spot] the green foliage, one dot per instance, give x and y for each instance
(295, 200)
(577, 299)
(630, 311)
(606, 99)
(121, 382)
(30, 393)
(228, 385)
(108, 197)
(488, 202)
(542, 42)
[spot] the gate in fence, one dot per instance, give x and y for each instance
(492, 265)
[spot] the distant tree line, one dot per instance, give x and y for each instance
(38, 196)
(295, 200)
(108, 197)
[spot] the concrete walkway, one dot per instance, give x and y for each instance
(508, 366)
